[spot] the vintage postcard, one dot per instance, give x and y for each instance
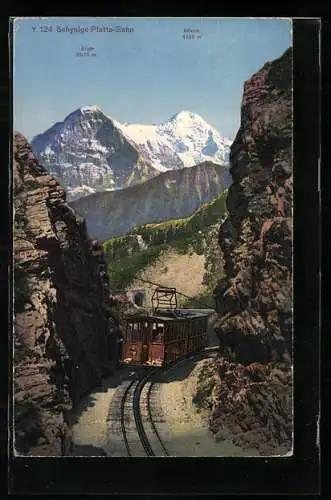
(152, 194)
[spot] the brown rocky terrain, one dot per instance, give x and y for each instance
(62, 312)
(254, 299)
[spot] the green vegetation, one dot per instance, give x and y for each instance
(123, 269)
(184, 233)
(128, 254)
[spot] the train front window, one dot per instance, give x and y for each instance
(159, 331)
(154, 331)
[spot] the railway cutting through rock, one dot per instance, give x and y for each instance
(136, 421)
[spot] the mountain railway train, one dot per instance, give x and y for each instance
(165, 335)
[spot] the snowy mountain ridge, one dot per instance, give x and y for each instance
(191, 139)
(91, 152)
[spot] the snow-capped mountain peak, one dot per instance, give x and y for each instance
(87, 113)
(186, 116)
(91, 109)
(90, 150)
(184, 140)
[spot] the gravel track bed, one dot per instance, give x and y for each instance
(183, 429)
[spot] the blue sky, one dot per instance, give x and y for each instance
(141, 77)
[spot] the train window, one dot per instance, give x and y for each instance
(135, 332)
(145, 331)
(154, 331)
(160, 331)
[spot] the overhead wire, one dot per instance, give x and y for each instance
(179, 293)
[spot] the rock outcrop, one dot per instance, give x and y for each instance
(62, 313)
(254, 299)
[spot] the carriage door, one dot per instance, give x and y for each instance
(132, 344)
(156, 346)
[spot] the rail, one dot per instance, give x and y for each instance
(123, 428)
(138, 417)
(137, 386)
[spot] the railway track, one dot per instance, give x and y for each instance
(133, 409)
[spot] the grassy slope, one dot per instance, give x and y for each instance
(127, 256)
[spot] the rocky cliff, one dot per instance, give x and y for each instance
(62, 313)
(254, 299)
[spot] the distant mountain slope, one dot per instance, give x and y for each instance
(90, 152)
(170, 195)
(154, 245)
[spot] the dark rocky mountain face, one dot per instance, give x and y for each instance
(254, 300)
(62, 313)
(87, 153)
(172, 194)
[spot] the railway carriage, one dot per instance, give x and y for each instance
(165, 335)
